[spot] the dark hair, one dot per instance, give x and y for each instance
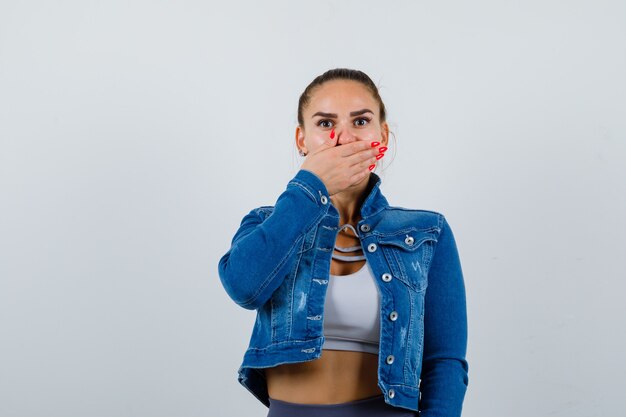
(340, 74)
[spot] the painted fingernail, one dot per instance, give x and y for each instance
(380, 155)
(372, 166)
(332, 133)
(382, 148)
(375, 144)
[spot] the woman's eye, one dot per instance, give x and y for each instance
(321, 123)
(366, 120)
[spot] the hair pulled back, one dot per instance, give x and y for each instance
(340, 74)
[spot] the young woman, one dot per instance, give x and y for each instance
(360, 305)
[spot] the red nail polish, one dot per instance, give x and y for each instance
(380, 155)
(332, 133)
(375, 144)
(372, 167)
(382, 149)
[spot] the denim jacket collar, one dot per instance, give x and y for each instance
(373, 203)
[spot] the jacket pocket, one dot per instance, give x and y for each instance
(409, 253)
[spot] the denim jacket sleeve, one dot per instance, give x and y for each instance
(444, 376)
(264, 248)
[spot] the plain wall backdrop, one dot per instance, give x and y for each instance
(135, 135)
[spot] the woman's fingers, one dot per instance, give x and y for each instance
(364, 152)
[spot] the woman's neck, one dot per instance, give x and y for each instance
(348, 202)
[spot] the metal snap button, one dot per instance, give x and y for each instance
(393, 316)
(324, 199)
(365, 227)
(386, 277)
(409, 240)
(371, 247)
(392, 393)
(390, 359)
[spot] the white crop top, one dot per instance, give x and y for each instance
(352, 312)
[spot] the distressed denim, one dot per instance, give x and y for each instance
(279, 265)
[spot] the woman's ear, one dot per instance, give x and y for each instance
(384, 127)
(300, 139)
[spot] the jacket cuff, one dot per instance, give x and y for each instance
(312, 185)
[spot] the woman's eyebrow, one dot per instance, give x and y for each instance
(354, 113)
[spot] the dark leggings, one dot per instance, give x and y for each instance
(367, 407)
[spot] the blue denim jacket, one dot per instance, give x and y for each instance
(279, 265)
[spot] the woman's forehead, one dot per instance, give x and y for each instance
(341, 93)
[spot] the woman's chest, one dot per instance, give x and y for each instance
(347, 256)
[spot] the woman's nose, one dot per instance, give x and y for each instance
(345, 135)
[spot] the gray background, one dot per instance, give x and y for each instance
(135, 135)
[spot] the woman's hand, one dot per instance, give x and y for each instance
(341, 167)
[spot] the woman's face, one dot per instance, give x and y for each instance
(349, 108)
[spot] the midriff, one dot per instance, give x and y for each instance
(338, 375)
